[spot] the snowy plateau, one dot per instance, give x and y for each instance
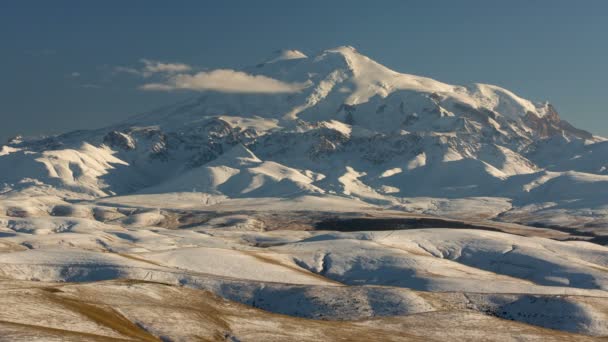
(367, 205)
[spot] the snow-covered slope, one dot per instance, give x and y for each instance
(326, 276)
(357, 129)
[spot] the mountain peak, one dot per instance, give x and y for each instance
(344, 49)
(346, 52)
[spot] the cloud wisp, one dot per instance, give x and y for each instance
(152, 67)
(155, 67)
(163, 76)
(226, 81)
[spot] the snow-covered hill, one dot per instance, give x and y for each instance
(354, 129)
(150, 266)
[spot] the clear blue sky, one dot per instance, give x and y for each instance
(543, 50)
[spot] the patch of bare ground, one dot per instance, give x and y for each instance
(8, 246)
(147, 311)
(270, 260)
(12, 331)
(372, 221)
(466, 325)
(103, 315)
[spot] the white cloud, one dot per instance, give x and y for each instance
(179, 76)
(151, 67)
(226, 80)
(75, 74)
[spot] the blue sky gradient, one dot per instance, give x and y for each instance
(58, 57)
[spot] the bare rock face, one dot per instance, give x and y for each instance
(551, 125)
(119, 140)
(14, 140)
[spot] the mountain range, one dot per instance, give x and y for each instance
(353, 129)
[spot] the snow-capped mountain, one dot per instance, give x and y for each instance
(355, 129)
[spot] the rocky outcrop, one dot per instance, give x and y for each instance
(551, 125)
(120, 140)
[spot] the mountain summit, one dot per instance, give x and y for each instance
(356, 129)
